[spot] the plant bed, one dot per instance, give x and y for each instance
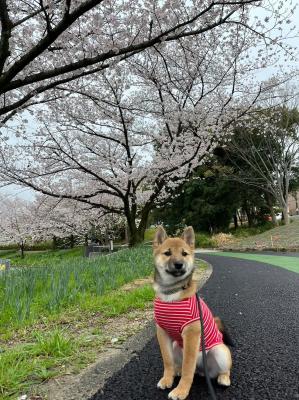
(110, 302)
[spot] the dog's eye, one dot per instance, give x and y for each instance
(184, 253)
(167, 253)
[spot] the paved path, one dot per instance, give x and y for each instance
(260, 304)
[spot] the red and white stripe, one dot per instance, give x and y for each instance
(175, 315)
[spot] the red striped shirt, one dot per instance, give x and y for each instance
(173, 316)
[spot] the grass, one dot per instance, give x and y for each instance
(204, 240)
(55, 313)
(246, 231)
(63, 290)
(289, 263)
(43, 257)
(120, 302)
(27, 293)
(282, 237)
(42, 245)
(30, 363)
(54, 352)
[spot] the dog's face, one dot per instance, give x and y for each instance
(174, 257)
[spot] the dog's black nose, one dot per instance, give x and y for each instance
(178, 266)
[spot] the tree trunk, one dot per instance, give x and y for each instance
(126, 234)
(286, 218)
(284, 205)
(235, 220)
(269, 201)
(54, 243)
(72, 241)
(22, 248)
(296, 200)
(273, 216)
(142, 228)
(239, 214)
(136, 234)
(250, 218)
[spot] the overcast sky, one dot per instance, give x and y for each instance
(13, 190)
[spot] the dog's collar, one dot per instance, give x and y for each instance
(175, 290)
(167, 291)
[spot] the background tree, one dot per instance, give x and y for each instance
(30, 222)
(264, 151)
(207, 202)
(294, 186)
(210, 201)
(71, 220)
(18, 223)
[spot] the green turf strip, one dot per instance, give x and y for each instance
(290, 263)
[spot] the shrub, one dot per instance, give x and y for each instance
(222, 239)
(149, 234)
(245, 231)
(203, 240)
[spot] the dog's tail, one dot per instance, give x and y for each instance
(223, 329)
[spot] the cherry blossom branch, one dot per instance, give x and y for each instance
(7, 84)
(6, 27)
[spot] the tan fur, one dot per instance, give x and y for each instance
(190, 291)
(191, 340)
(166, 350)
(219, 324)
(168, 251)
(177, 247)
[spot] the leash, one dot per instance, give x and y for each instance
(204, 354)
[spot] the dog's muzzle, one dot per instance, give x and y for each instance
(177, 269)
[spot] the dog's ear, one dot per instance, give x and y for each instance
(160, 236)
(189, 236)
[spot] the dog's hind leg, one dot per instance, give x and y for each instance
(219, 364)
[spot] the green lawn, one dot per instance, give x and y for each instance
(289, 263)
(57, 289)
(43, 257)
(63, 279)
(282, 237)
(46, 351)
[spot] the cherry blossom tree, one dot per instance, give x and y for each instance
(48, 43)
(18, 223)
(128, 148)
(123, 137)
(27, 222)
(60, 218)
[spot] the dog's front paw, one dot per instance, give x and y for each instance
(165, 383)
(179, 393)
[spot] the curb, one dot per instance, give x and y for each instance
(255, 250)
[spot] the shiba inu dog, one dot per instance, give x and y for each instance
(177, 318)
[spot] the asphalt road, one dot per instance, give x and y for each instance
(260, 305)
